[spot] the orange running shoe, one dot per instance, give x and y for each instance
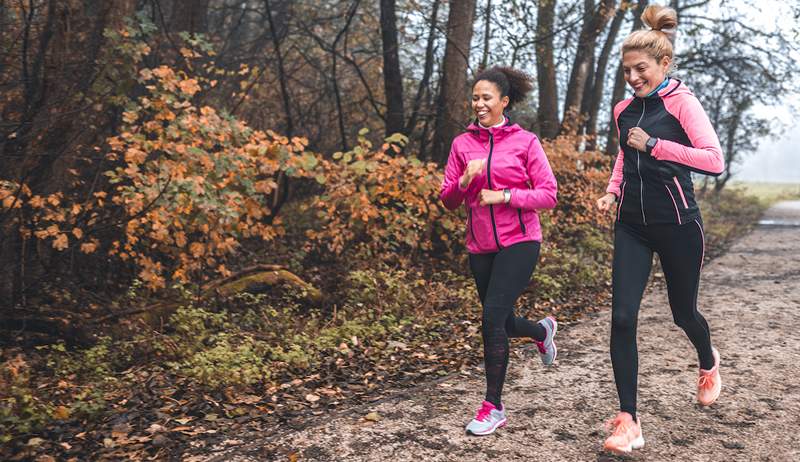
(709, 383)
(626, 435)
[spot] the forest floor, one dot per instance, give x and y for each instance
(750, 297)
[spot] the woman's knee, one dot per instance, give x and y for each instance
(623, 320)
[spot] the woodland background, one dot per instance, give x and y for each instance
(219, 215)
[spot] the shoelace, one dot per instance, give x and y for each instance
(620, 427)
(483, 412)
(705, 381)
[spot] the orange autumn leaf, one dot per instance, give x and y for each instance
(61, 242)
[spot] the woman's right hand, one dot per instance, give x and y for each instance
(606, 202)
(474, 168)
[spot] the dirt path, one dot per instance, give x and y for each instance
(751, 298)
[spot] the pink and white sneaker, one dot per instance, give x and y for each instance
(487, 420)
(547, 347)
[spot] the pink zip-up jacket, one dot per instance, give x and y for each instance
(656, 187)
(515, 160)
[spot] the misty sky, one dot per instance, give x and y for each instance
(775, 159)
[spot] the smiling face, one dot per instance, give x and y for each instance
(642, 72)
(487, 104)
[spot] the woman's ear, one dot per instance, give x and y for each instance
(666, 62)
(504, 101)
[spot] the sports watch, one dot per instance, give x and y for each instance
(650, 144)
(506, 195)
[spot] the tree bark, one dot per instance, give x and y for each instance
(392, 78)
(546, 71)
(487, 19)
(452, 104)
(612, 146)
(276, 44)
(594, 21)
(598, 87)
(424, 83)
(190, 16)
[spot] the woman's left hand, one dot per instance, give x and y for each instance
(489, 197)
(637, 139)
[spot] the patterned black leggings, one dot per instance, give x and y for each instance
(501, 277)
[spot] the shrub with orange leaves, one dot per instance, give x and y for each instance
(193, 182)
(582, 178)
(381, 203)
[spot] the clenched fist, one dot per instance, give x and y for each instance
(605, 202)
(474, 168)
(637, 139)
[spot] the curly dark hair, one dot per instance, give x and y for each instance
(511, 82)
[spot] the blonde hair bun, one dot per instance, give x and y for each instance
(659, 17)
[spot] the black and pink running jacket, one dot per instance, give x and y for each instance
(656, 188)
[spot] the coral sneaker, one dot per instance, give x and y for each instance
(626, 435)
(709, 383)
(487, 420)
(547, 347)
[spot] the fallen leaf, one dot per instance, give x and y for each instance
(35, 441)
(372, 417)
(312, 398)
(61, 413)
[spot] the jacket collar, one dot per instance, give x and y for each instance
(497, 132)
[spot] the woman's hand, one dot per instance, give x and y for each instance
(606, 202)
(489, 197)
(474, 168)
(637, 139)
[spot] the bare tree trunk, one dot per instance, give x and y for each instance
(594, 21)
(424, 83)
(190, 16)
(392, 78)
(547, 114)
(598, 87)
(276, 44)
(452, 105)
(612, 146)
(487, 19)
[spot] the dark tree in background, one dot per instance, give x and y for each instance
(452, 107)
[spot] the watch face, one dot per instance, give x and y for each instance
(651, 142)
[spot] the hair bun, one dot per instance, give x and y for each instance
(661, 18)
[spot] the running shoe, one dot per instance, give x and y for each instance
(626, 435)
(487, 420)
(547, 347)
(709, 383)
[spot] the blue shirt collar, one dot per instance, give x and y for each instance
(658, 88)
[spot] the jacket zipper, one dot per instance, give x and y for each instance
(641, 182)
(489, 180)
(471, 230)
(521, 223)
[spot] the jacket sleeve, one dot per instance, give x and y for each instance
(705, 154)
(543, 190)
(451, 193)
(616, 174)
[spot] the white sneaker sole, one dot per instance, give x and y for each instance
(501, 423)
(638, 443)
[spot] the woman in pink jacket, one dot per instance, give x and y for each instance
(500, 173)
(665, 135)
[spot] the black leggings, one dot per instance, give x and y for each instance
(501, 277)
(680, 249)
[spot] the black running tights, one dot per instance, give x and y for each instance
(501, 277)
(680, 249)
